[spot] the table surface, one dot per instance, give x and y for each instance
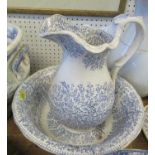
(19, 145)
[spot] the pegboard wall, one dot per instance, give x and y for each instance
(44, 53)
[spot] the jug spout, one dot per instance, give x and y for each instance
(79, 40)
(86, 38)
(82, 92)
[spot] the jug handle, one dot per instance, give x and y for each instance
(139, 36)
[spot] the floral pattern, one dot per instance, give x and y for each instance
(145, 125)
(82, 106)
(11, 33)
(18, 62)
(130, 152)
(22, 52)
(34, 118)
(95, 61)
(57, 24)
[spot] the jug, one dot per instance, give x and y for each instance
(82, 92)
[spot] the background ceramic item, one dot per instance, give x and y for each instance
(136, 70)
(141, 9)
(130, 152)
(18, 63)
(35, 120)
(85, 101)
(145, 125)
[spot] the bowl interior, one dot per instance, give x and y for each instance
(30, 108)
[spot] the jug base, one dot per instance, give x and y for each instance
(63, 134)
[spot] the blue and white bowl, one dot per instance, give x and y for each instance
(145, 125)
(33, 116)
(130, 152)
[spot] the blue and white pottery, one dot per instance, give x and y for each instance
(83, 90)
(37, 122)
(145, 125)
(135, 70)
(18, 63)
(130, 152)
(141, 9)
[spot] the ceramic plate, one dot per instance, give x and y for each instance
(145, 125)
(34, 118)
(130, 152)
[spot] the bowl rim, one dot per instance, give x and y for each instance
(16, 40)
(144, 128)
(124, 143)
(128, 150)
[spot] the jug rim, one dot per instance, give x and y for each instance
(46, 32)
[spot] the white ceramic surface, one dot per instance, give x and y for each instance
(83, 88)
(130, 152)
(18, 63)
(141, 9)
(145, 125)
(136, 70)
(35, 119)
(14, 36)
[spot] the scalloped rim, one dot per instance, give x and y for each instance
(129, 151)
(100, 48)
(124, 143)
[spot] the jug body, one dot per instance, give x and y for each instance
(82, 97)
(82, 92)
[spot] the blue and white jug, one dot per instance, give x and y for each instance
(82, 92)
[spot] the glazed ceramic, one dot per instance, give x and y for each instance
(136, 70)
(36, 120)
(145, 125)
(82, 91)
(18, 63)
(130, 152)
(141, 9)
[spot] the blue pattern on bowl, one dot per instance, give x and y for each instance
(130, 152)
(31, 113)
(18, 62)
